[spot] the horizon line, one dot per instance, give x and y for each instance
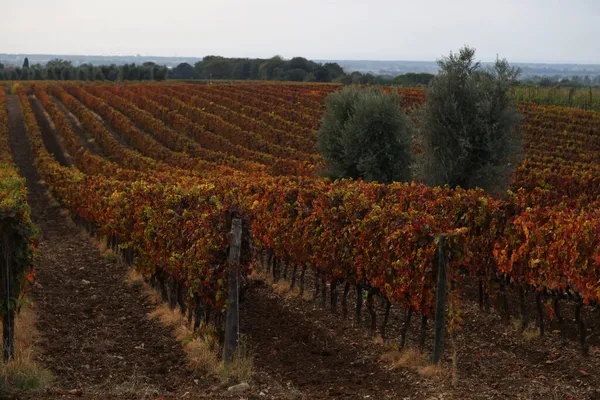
(311, 59)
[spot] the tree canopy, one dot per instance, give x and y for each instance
(365, 134)
(469, 132)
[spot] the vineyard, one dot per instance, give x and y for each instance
(160, 171)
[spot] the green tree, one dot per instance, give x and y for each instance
(59, 63)
(98, 75)
(272, 69)
(218, 68)
(335, 70)
(469, 132)
(295, 75)
(183, 71)
(322, 74)
(241, 70)
(26, 63)
(412, 78)
(365, 134)
(160, 73)
(300, 63)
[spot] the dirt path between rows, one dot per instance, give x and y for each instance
(309, 350)
(95, 332)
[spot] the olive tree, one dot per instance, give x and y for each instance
(365, 134)
(468, 128)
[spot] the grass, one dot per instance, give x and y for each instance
(135, 387)
(201, 349)
(414, 360)
(283, 286)
(242, 365)
(530, 333)
(134, 278)
(23, 373)
(433, 371)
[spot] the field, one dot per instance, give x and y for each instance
(158, 171)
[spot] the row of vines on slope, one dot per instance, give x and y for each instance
(380, 237)
(17, 235)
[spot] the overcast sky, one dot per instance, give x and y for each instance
(520, 30)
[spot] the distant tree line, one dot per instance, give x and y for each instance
(562, 82)
(65, 70)
(297, 69)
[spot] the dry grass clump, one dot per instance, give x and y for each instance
(530, 333)
(412, 359)
(23, 373)
(134, 278)
(281, 287)
(409, 358)
(136, 387)
(202, 351)
(433, 371)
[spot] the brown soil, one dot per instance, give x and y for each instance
(308, 349)
(324, 356)
(52, 142)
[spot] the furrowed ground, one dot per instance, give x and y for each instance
(161, 169)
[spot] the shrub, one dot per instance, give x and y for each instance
(469, 132)
(365, 134)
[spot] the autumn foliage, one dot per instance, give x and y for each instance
(179, 159)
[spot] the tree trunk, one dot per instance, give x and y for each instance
(440, 304)
(524, 315)
(371, 309)
(269, 260)
(359, 302)
(581, 326)
(302, 280)
(198, 311)
(334, 296)
(164, 290)
(294, 270)
(559, 319)
(345, 301)
(285, 270)
(276, 269)
(504, 304)
(8, 306)
(405, 327)
(540, 310)
(232, 329)
(181, 297)
(172, 295)
(386, 318)
(486, 298)
(423, 333)
(480, 294)
(190, 316)
(323, 293)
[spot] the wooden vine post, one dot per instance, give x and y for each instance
(440, 304)
(232, 328)
(8, 306)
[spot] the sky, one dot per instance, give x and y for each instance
(565, 31)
